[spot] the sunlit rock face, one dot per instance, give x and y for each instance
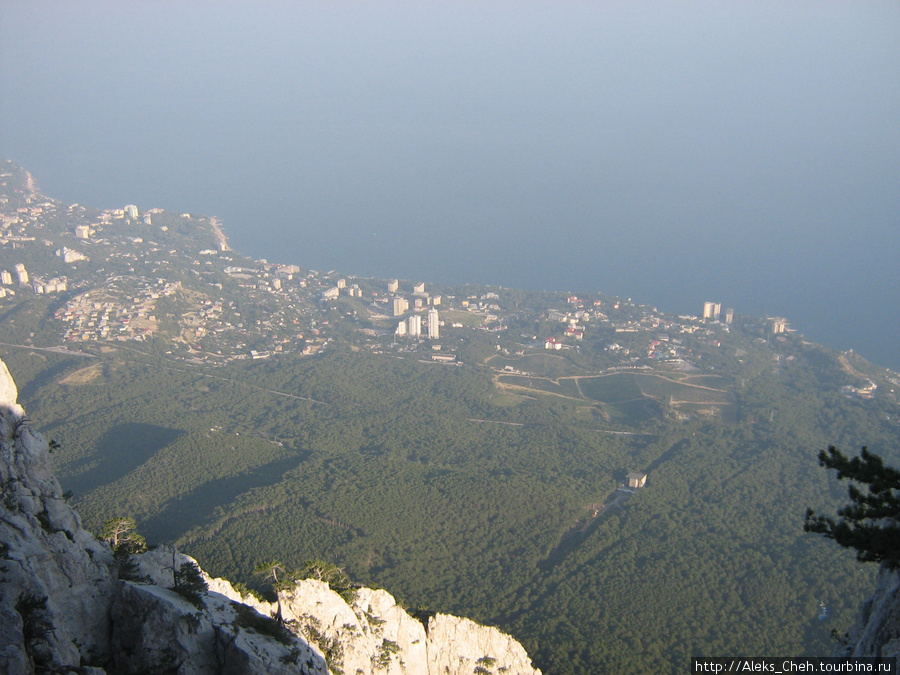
(460, 646)
(56, 580)
(369, 634)
(63, 607)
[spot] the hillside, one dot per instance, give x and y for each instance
(72, 604)
(255, 411)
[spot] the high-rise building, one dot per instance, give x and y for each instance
(711, 310)
(434, 324)
(400, 306)
(6, 278)
(729, 315)
(22, 274)
(414, 325)
(83, 231)
(401, 328)
(342, 283)
(419, 289)
(131, 211)
(393, 285)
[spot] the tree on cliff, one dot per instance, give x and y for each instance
(871, 522)
(269, 570)
(189, 582)
(121, 535)
(122, 532)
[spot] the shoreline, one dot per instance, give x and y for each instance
(220, 234)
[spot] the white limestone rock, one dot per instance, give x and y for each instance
(9, 395)
(56, 586)
(159, 631)
(457, 646)
(224, 587)
(370, 634)
(373, 634)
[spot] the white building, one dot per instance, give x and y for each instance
(131, 211)
(400, 306)
(434, 324)
(287, 271)
(777, 325)
(711, 310)
(414, 325)
(70, 256)
(6, 278)
(83, 231)
(393, 285)
(22, 274)
(636, 479)
(419, 289)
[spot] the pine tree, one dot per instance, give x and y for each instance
(871, 522)
(189, 583)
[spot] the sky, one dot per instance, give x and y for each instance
(672, 152)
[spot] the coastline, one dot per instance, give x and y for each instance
(220, 234)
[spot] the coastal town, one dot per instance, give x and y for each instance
(128, 275)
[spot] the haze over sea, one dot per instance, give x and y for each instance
(671, 152)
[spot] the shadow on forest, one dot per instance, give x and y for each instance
(47, 376)
(120, 451)
(188, 511)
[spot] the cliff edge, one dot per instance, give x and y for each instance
(876, 631)
(65, 609)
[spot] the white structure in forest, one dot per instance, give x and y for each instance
(636, 479)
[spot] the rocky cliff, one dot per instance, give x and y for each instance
(876, 631)
(371, 633)
(64, 609)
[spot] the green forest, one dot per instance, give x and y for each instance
(465, 491)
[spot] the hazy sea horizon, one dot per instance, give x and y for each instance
(746, 153)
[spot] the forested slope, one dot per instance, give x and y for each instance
(431, 482)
